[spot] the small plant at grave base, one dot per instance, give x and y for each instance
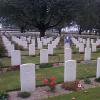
(3, 96)
(97, 79)
(87, 81)
(46, 65)
(98, 46)
(50, 83)
(16, 67)
(24, 94)
(73, 85)
(1, 64)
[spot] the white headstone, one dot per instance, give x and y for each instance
(87, 55)
(67, 45)
(81, 47)
(98, 68)
(27, 77)
(67, 54)
(39, 44)
(50, 49)
(44, 56)
(92, 41)
(93, 47)
(70, 70)
(15, 57)
(31, 49)
(88, 42)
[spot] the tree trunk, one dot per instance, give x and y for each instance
(42, 33)
(90, 32)
(80, 31)
(22, 29)
(59, 30)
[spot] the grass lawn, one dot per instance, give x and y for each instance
(92, 94)
(57, 57)
(10, 80)
(52, 59)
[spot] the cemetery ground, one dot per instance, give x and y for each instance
(91, 94)
(10, 79)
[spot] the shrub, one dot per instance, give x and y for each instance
(46, 65)
(87, 81)
(2, 49)
(97, 79)
(24, 94)
(3, 96)
(98, 46)
(1, 64)
(71, 85)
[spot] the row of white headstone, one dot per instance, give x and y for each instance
(28, 77)
(24, 41)
(80, 43)
(50, 46)
(16, 56)
(68, 54)
(8, 45)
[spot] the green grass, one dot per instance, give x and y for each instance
(52, 59)
(10, 80)
(92, 94)
(57, 57)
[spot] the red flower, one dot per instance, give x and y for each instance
(45, 81)
(52, 84)
(53, 78)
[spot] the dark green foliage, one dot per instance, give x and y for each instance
(2, 49)
(1, 63)
(97, 79)
(24, 94)
(87, 81)
(3, 96)
(38, 14)
(47, 65)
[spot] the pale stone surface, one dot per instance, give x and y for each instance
(31, 49)
(81, 47)
(92, 41)
(33, 41)
(98, 68)
(67, 54)
(44, 56)
(87, 55)
(50, 49)
(77, 44)
(84, 41)
(27, 77)
(93, 47)
(88, 43)
(39, 44)
(54, 44)
(70, 70)
(67, 45)
(45, 41)
(15, 57)
(10, 47)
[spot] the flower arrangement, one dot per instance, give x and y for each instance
(72, 85)
(50, 82)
